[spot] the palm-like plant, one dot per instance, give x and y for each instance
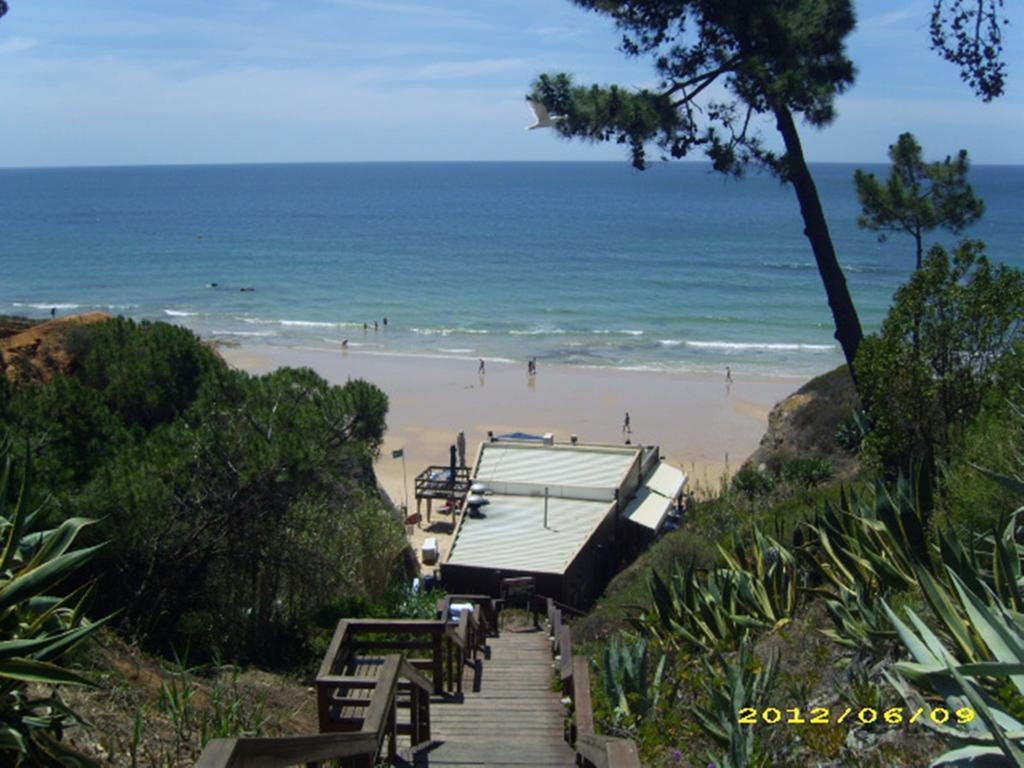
(37, 627)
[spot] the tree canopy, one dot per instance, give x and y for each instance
(939, 352)
(762, 55)
(238, 508)
(918, 196)
(969, 34)
(724, 65)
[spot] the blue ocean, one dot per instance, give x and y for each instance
(591, 264)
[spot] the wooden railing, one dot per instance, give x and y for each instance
(359, 748)
(592, 750)
(359, 642)
(354, 748)
(468, 636)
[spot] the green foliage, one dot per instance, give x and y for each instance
(918, 196)
(807, 471)
(198, 715)
(147, 374)
(851, 432)
(872, 541)
(969, 34)
(626, 681)
(731, 686)
(751, 481)
(235, 506)
(38, 624)
(767, 60)
(716, 609)
(997, 646)
(766, 56)
(926, 375)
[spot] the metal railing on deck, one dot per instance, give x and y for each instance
(592, 749)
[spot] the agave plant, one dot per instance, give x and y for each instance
(625, 678)
(730, 687)
(873, 541)
(37, 626)
(860, 621)
(716, 609)
(991, 637)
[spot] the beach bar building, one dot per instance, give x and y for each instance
(562, 513)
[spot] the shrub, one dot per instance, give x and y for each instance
(235, 506)
(807, 472)
(926, 375)
(752, 482)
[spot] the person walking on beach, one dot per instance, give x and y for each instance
(53, 311)
(626, 429)
(728, 375)
(481, 369)
(344, 344)
(460, 444)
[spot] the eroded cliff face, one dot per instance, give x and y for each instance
(807, 422)
(35, 353)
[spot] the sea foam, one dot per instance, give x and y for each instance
(748, 345)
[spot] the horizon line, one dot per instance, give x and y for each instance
(246, 163)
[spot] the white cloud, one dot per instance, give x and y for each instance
(17, 44)
(450, 70)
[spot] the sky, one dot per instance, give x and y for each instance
(121, 82)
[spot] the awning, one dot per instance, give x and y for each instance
(667, 480)
(648, 508)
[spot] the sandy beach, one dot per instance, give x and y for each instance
(701, 424)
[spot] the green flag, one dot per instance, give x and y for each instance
(398, 453)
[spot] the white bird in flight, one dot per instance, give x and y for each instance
(544, 120)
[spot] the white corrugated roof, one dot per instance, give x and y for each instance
(648, 508)
(576, 466)
(512, 535)
(666, 480)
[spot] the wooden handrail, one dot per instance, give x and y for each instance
(346, 643)
(592, 749)
(379, 723)
(286, 750)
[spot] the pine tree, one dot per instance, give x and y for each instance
(724, 66)
(918, 196)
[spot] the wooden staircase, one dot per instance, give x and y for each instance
(508, 713)
(455, 692)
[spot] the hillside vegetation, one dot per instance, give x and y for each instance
(240, 513)
(892, 592)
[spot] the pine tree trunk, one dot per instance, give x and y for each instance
(848, 331)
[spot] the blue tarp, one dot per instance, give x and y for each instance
(520, 436)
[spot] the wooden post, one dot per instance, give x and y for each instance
(392, 732)
(438, 661)
(323, 706)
